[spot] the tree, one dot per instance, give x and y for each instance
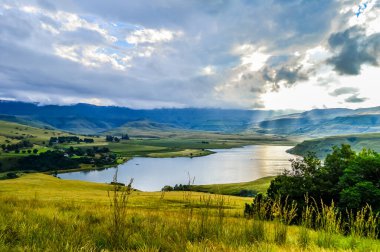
(125, 137)
(352, 180)
(109, 138)
(301, 179)
(334, 166)
(167, 188)
(360, 181)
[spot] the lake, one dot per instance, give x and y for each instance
(225, 166)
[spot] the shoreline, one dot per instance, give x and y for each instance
(177, 154)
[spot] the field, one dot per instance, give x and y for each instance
(253, 187)
(39, 212)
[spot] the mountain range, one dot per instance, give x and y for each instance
(324, 122)
(91, 119)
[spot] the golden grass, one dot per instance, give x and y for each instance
(41, 213)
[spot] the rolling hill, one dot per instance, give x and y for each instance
(323, 146)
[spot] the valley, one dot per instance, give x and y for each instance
(47, 165)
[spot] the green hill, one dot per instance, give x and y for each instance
(322, 146)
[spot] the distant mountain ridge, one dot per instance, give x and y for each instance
(90, 119)
(325, 122)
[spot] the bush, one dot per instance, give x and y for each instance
(11, 175)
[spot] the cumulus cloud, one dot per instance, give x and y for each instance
(151, 36)
(353, 49)
(355, 99)
(344, 91)
(173, 53)
(289, 75)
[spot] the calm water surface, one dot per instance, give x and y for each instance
(225, 166)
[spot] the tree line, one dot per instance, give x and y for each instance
(346, 180)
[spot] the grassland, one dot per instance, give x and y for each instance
(323, 146)
(184, 153)
(257, 186)
(42, 213)
(11, 133)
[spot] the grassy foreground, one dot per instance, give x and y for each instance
(42, 213)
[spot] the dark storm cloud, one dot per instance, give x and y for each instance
(353, 49)
(287, 74)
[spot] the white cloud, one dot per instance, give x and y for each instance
(49, 28)
(91, 56)
(208, 70)
(150, 36)
(251, 56)
(132, 53)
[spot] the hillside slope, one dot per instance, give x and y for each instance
(322, 146)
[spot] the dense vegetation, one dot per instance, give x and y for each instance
(345, 188)
(348, 178)
(69, 139)
(67, 159)
(16, 146)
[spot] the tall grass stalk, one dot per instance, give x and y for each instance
(363, 223)
(118, 204)
(306, 223)
(283, 214)
(329, 223)
(187, 198)
(260, 212)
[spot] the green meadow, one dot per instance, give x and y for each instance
(42, 213)
(258, 186)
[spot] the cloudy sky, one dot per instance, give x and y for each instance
(272, 54)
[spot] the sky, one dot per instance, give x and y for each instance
(246, 54)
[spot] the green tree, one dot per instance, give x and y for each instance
(360, 182)
(301, 179)
(334, 166)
